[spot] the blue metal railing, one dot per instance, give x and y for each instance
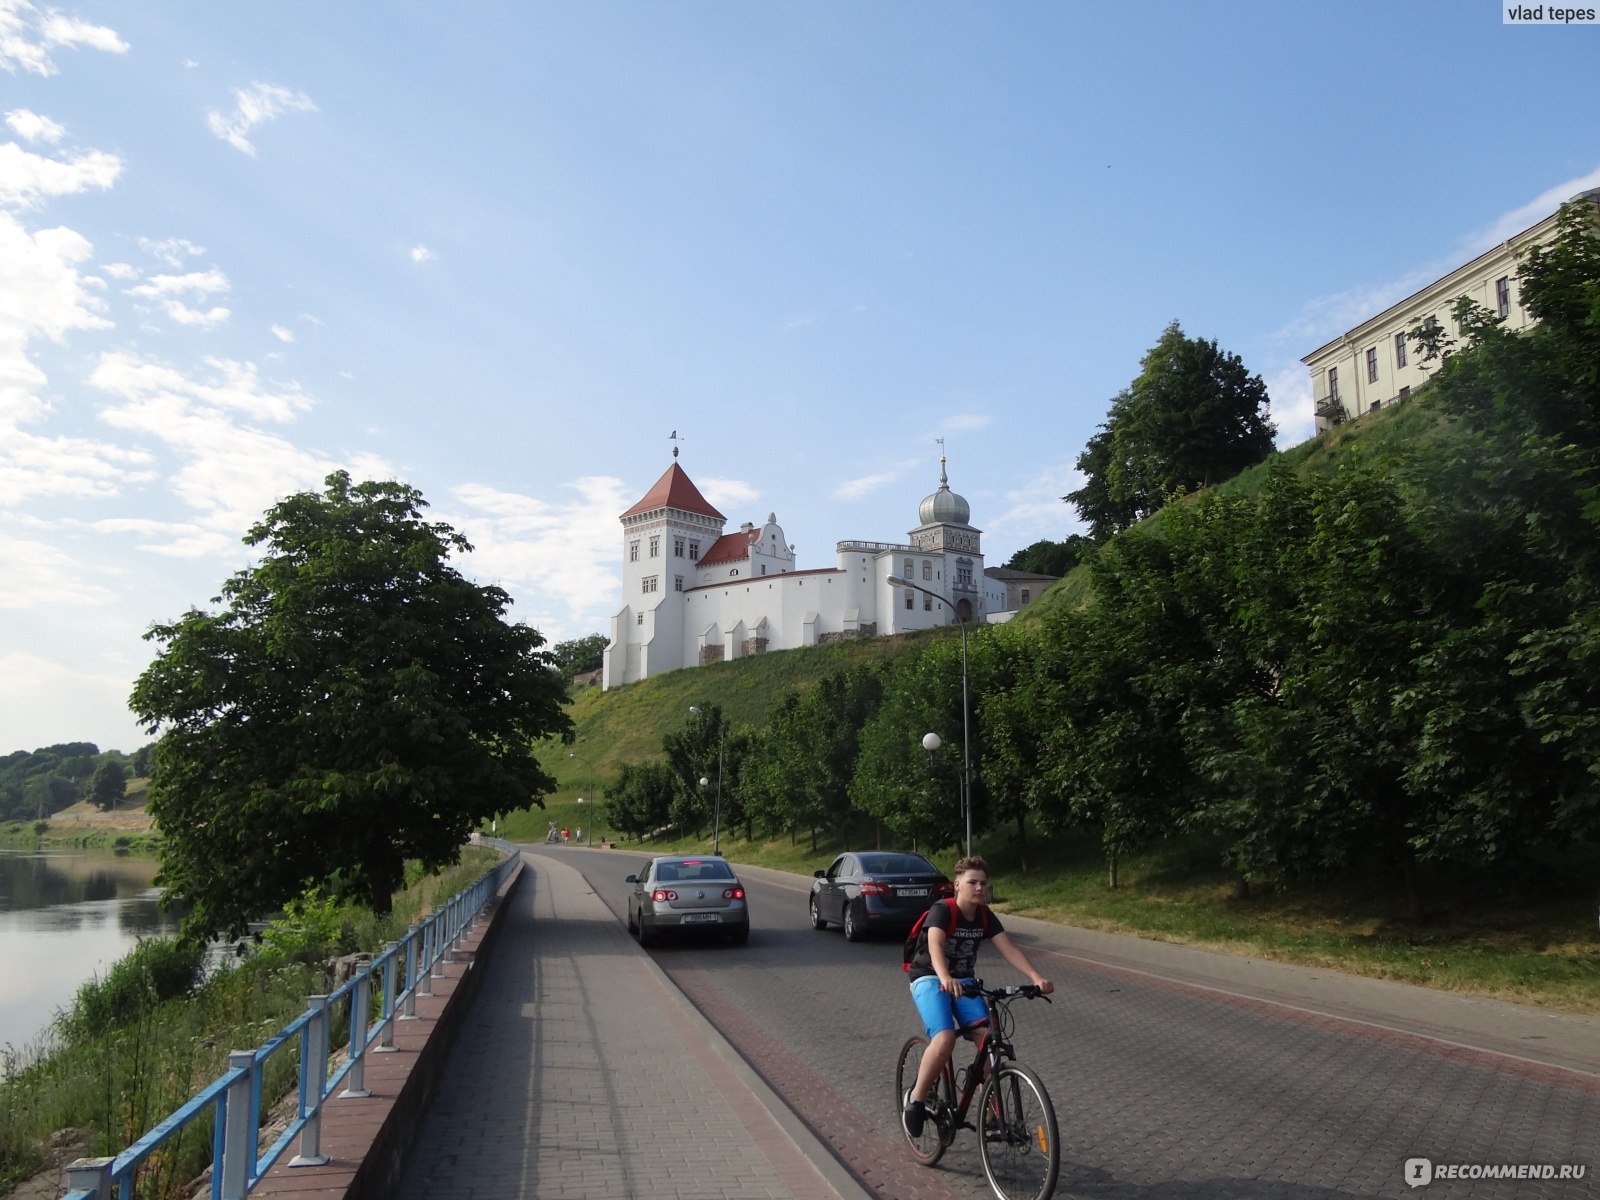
(403, 971)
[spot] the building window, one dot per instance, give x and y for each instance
(911, 569)
(763, 568)
(1024, 595)
(1376, 405)
(649, 583)
(964, 574)
(927, 602)
(1502, 296)
(655, 545)
(633, 551)
(1399, 349)
(1404, 392)
(677, 547)
(910, 598)
(1333, 383)
(694, 551)
(927, 570)
(1372, 364)
(677, 583)
(639, 620)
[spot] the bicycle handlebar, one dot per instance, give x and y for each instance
(1009, 991)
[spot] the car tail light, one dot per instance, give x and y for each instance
(871, 887)
(733, 893)
(663, 895)
(943, 890)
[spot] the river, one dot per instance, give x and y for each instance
(65, 917)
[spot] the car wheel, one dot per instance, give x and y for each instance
(647, 936)
(633, 925)
(853, 931)
(817, 921)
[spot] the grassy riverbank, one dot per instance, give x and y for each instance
(129, 1052)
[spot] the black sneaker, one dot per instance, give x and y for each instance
(914, 1115)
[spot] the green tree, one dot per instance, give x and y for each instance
(108, 784)
(355, 703)
(1051, 558)
(1193, 417)
(579, 655)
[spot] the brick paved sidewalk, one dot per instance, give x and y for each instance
(580, 1072)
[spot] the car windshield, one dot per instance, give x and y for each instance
(896, 864)
(692, 872)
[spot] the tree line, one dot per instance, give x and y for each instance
(36, 783)
(1386, 668)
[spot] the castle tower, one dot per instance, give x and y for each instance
(946, 530)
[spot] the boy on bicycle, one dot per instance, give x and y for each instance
(944, 961)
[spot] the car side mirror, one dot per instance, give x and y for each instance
(820, 874)
(631, 879)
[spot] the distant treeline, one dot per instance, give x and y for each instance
(36, 783)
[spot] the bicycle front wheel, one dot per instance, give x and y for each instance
(929, 1146)
(1018, 1142)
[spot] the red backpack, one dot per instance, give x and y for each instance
(909, 950)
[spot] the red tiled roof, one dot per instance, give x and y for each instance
(675, 490)
(730, 547)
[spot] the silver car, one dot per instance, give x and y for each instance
(693, 893)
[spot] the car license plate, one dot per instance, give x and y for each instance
(913, 891)
(711, 918)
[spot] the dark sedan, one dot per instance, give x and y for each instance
(871, 891)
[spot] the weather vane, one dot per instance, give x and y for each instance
(673, 437)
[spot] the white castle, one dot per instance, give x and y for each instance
(694, 594)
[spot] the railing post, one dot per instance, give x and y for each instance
(313, 1084)
(413, 945)
(425, 959)
(439, 927)
(360, 995)
(391, 964)
(91, 1175)
(235, 1170)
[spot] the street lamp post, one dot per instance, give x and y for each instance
(590, 765)
(716, 819)
(966, 736)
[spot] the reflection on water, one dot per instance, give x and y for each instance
(65, 917)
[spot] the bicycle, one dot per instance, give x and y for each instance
(1018, 1142)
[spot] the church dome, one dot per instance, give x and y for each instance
(944, 507)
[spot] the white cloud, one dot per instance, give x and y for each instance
(31, 127)
(865, 485)
(27, 179)
(167, 290)
(43, 697)
(26, 37)
(725, 494)
(282, 333)
(256, 104)
(34, 573)
(421, 254)
(1292, 408)
(1531, 213)
(69, 31)
(172, 251)
(120, 270)
(1035, 511)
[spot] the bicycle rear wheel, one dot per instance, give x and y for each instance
(1018, 1142)
(929, 1147)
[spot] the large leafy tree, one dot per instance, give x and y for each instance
(354, 703)
(1051, 558)
(579, 655)
(1194, 417)
(108, 784)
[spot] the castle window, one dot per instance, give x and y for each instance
(927, 602)
(639, 620)
(911, 569)
(927, 570)
(655, 545)
(1502, 296)
(964, 573)
(677, 547)
(1399, 349)
(677, 583)
(1333, 383)
(910, 599)
(694, 551)
(1024, 595)
(1372, 364)
(650, 583)
(633, 550)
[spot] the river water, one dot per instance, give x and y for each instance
(65, 917)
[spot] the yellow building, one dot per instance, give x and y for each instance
(1375, 363)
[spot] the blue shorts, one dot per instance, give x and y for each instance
(940, 1010)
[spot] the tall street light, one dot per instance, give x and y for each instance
(590, 765)
(966, 737)
(716, 819)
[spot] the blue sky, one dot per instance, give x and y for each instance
(501, 251)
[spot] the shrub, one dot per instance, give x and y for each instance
(154, 970)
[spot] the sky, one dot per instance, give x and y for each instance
(502, 251)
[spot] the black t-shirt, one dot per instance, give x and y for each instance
(961, 943)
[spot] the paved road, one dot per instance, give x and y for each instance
(1175, 1073)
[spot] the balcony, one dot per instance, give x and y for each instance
(1331, 408)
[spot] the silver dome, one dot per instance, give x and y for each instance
(944, 507)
